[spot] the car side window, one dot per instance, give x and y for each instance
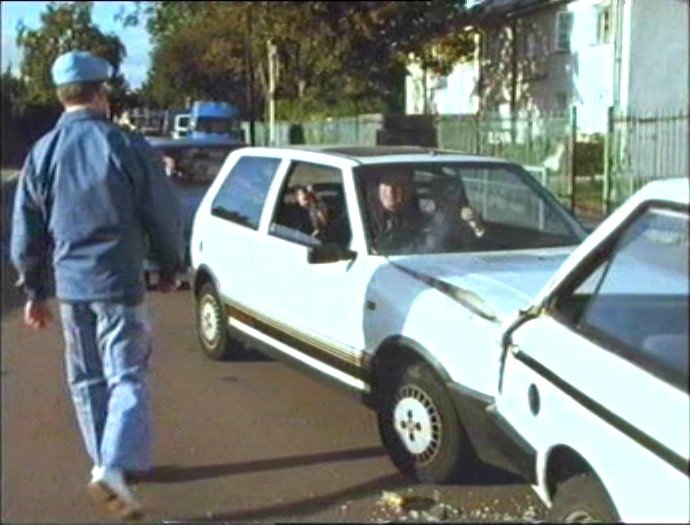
(311, 207)
(635, 302)
(241, 197)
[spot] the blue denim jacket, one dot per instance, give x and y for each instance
(93, 196)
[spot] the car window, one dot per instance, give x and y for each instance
(195, 164)
(242, 195)
(459, 207)
(311, 207)
(636, 299)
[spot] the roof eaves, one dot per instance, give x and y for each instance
(489, 10)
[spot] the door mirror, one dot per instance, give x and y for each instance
(328, 253)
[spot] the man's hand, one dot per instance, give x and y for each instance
(471, 217)
(37, 314)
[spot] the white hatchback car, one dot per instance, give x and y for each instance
(388, 271)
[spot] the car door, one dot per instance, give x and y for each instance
(230, 231)
(604, 369)
(321, 304)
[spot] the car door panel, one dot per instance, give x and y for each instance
(615, 422)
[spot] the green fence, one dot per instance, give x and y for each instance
(590, 174)
(353, 131)
(641, 148)
(543, 143)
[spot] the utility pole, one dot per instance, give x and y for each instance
(249, 64)
(271, 93)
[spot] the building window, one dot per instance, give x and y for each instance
(564, 24)
(604, 24)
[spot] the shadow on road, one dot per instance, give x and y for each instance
(11, 296)
(484, 474)
(173, 474)
(311, 505)
(480, 475)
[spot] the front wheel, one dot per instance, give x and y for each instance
(211, 323)
(420, 428)
(582, 499)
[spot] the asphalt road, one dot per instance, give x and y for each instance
(247, 440)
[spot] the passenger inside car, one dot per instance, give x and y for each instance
(172, 166)
(314, 215)
(455, 222)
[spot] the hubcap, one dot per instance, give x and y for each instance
(418, 423)
(208, 321)
(579, 516)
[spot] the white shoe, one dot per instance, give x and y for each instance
(108, 486)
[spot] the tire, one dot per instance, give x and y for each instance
(582, 499)
(211, 324)
(420, 428)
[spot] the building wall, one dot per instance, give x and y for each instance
(414, 90)
(592, 63)
(652, 74)
(458, 95)
(658, 60)
(451, 95)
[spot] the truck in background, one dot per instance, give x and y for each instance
(147, 121)
(208, 119)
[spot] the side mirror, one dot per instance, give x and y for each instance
(328, 253)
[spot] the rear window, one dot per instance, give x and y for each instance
(194, 165)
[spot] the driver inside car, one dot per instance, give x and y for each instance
(399, 212)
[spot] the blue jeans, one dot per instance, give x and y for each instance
(108, 348)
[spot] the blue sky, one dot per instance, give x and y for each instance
(136, 40)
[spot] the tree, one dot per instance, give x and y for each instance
(333, 57)
(64, 27)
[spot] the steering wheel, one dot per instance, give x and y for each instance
(409, 237)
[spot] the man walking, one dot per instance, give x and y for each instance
(95, 197)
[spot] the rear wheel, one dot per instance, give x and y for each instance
(420, 427)
(582, 499)
(211, 323)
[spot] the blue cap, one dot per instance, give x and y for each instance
(79, 66)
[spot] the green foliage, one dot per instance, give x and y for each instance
(311, 109)
(64, 27)
(332, 56)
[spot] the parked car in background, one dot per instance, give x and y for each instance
(191, 164)
(595, 371)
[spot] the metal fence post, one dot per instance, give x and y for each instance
(573, 163)
(478, 125)
(608, 162)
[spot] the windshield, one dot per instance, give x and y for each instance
(214, 124)
(446, 207)
(195, 165)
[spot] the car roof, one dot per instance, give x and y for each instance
(388, 154)
(675, 190)
(188, 142)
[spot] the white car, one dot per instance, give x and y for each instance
(595, 375)
(410, 325)
(409, 319)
